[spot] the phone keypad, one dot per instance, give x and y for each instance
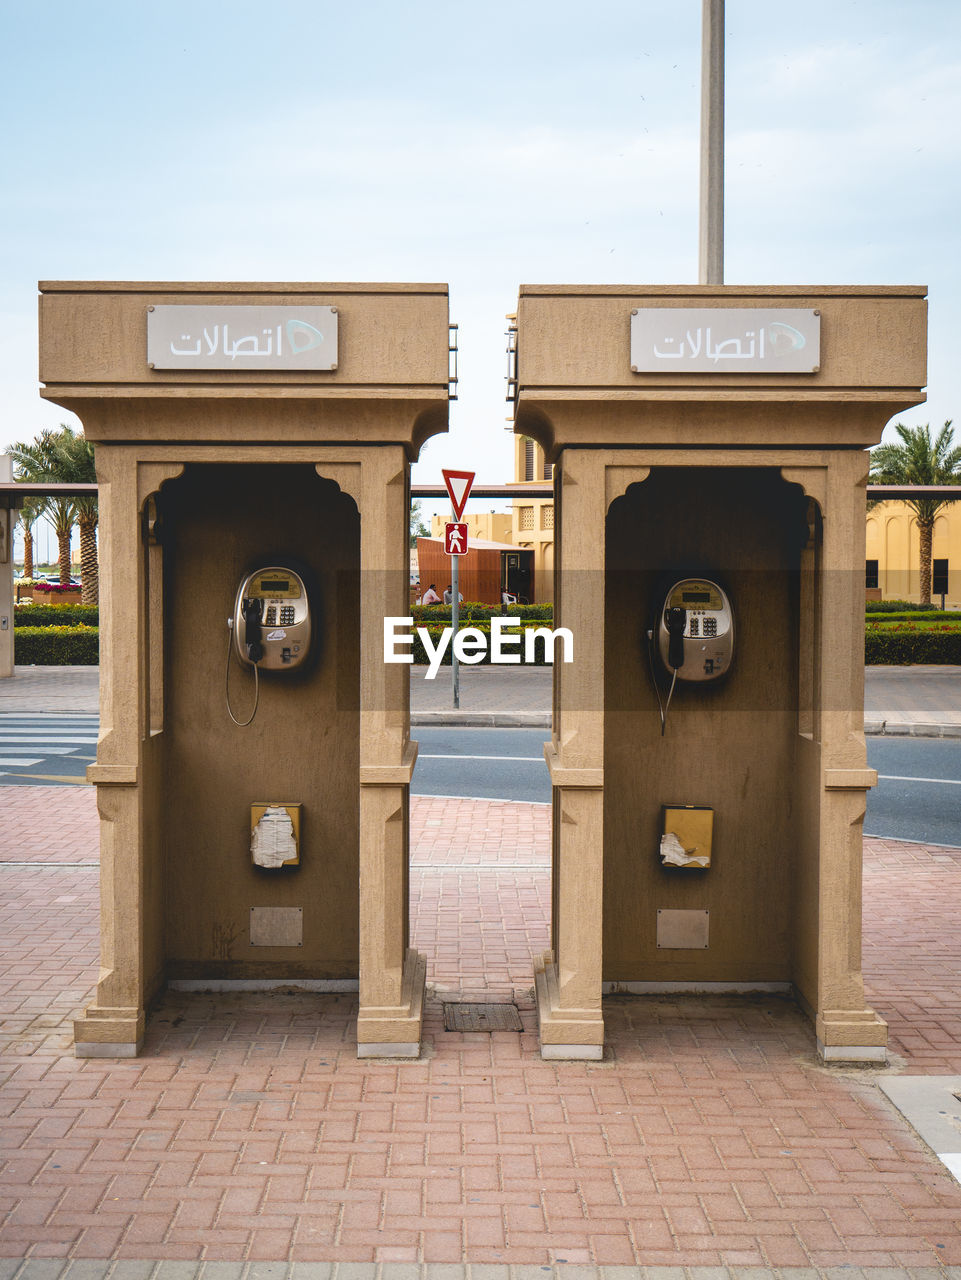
(710, 626)
(270, 618)
(286, 615)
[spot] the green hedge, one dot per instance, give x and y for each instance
(895, 606)
(56, 646)
(902, 648)
(935, 615)
(474, 611)
(55, 615)
(434, 631)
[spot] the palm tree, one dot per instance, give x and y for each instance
(37, 462)
(29, 513)
(72, 460)
(918, 460)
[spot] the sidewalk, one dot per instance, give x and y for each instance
(923, 701)
(248, 1137)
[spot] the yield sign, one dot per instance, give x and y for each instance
(458, 486)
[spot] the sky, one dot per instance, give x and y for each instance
(482, 145)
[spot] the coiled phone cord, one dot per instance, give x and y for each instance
(662, 708)
(241, 724)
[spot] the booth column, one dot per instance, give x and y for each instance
(846, 1029)
(568, 978)
(392, 976)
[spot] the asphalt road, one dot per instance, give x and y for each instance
(918, 796)
(39, 750)
(488, 764)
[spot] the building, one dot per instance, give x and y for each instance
(533, 519)
(482, 526)
(893, 554)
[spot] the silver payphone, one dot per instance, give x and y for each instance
(271, 625)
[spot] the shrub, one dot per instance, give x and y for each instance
(895, 606)
(474, 611)
(55, 615)
(54, 589)
(56, 646)
(897, 647)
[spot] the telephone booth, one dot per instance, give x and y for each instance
(708, 760)
(253, 445)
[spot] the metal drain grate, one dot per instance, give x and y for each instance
(482, 1017)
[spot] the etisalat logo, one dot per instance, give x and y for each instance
(471, 644)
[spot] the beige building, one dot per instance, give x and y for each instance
(893, 554)
(482, 526)
(532, 525)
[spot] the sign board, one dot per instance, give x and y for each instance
(458, 487)
(240, 338)
(725, 340)
(455, 539)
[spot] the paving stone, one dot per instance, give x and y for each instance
(178, 1271)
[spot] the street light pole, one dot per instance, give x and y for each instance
(711, 238)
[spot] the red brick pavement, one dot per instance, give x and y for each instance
(248, 1128)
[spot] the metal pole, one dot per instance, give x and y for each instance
(455, 623)
(711, 239)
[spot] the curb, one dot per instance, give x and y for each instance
(905, 729)
(480, 719)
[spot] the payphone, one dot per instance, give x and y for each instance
(693, 633)
(271, 626)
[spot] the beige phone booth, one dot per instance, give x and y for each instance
(709, 446)
(253, 447)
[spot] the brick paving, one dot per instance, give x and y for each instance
(249, 1132)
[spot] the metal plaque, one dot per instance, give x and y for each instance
(239, 338)
(683, 930)
(276, 926)
(725, 340)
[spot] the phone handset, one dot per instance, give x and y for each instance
(271, 626)
(676, 620)
(252, 612)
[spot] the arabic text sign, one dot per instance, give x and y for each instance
(725, 340)
(242, 337)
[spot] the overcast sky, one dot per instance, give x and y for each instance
(484, 145)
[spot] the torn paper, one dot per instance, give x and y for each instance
(673, 853)
(272, 842)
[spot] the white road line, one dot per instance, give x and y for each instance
(894, 777)
(28, 748)
(530, 759)
(20, 764)
(36, 740)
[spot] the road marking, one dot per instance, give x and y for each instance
(28, 748)
(19, 763)
(894, 777)
(76, 778)
(530, 759)
(34, 739)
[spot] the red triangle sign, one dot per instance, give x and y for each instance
(459, 487)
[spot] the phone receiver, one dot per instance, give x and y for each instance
(253, 612)
(676, 620)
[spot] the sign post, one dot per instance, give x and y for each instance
(458, 487)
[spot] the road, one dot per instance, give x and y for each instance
(918, 796)
(489, 764)
(38, 749)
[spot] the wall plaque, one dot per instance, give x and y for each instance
(725, 340)
(237, 338)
